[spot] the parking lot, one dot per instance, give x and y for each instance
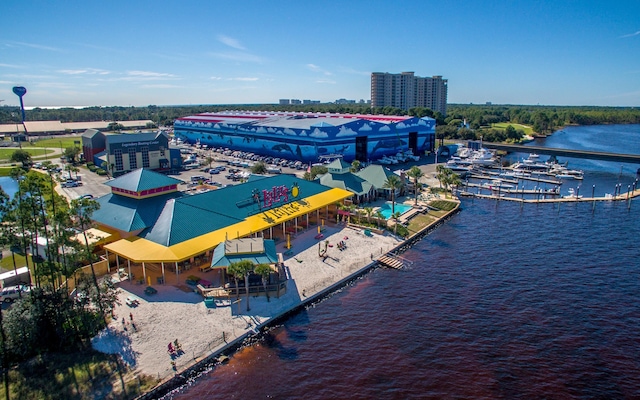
(229, 167)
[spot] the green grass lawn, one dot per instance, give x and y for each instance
(7, 262)
(63, 142)
(503, 125)
(6, 171)
(5, 153)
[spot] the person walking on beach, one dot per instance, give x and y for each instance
(131, 316)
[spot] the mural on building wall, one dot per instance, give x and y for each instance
(309, 143)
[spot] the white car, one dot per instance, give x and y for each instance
(10, 293)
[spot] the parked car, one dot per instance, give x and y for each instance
(10, 293)
(70, 184)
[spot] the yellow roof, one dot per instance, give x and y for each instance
(141, 250)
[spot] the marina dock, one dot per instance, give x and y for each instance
(566, 199)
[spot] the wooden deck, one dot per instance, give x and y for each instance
(391, 262)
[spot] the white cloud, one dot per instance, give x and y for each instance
(631, 34)
(238, 56)
(328, 81)
(231, 42)
(316, 68)
(150, 74)
(159, 86)
(85, 71)
(9, 65)
(350, 70)
(317, 133)
(34, 46)
(365, 128)
(289, 131)
(246, 79)
(346, 132)
(385, 128)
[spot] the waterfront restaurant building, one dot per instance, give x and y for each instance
(154, 225)
(309, 136)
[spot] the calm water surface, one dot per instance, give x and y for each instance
(502, 301)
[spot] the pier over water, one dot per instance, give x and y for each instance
(593, 155)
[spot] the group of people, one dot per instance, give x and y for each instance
(174, 348)
(342, 245)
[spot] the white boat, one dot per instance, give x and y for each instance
(572, 194)
(497, 184)
(458, 167)
(569, 174)
(482, 157)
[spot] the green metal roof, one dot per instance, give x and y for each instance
(128, 214)
(175, 217)
(339, 164)
(375, 174)
(222, 259)
(142, 179)
(180, 221)
(347, 181)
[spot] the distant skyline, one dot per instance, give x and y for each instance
(138, 53)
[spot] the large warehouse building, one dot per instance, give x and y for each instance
(308, 136)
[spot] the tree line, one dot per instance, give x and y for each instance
(51, 316)
(479, 118)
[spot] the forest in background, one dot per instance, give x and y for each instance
(479, 118)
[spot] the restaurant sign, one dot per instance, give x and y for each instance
(278, 194)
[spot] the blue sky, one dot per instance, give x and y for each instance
(83, 53)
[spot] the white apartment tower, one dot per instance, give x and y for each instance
(405, 90)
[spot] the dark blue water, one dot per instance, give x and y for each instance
(503, 301)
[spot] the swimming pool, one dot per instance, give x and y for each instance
(385, 209)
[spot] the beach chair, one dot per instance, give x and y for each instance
(132, 302)
(368, 233)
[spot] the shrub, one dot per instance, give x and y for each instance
(402, 231)
(101, 172)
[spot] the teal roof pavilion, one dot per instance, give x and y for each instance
(141, 180)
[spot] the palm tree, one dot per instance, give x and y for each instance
(379, 216)
(393, 183)
(416, 174)
(355, 166)
(447, 177)
(105, 166)
(442, 173)
(369, 212)
(264, 270)
(395, 217)
(242, 269)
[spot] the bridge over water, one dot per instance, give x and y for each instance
(594, 155)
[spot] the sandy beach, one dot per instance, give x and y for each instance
(141, 334)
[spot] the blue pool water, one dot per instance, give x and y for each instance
(385, 209)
